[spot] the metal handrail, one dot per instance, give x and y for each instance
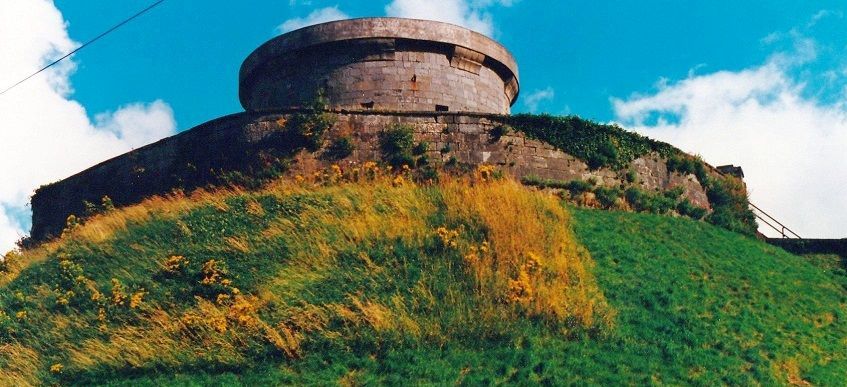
(782, 228)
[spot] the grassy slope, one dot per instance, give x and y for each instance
(698, 302)
(355, 283)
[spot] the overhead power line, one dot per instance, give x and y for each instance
(110, 30)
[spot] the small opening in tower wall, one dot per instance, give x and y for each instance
(442, 108)
(368, 105)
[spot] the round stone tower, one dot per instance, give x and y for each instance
(385, 64)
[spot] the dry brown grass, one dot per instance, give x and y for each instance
(533, 259)
(19, 365)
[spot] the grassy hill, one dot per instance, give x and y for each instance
(379, 280)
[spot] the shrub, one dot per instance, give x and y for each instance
(577, 187)
(106, 204)
(574, 186)
(685, 165)
(685, 208)
(605, 154)
(339, 148)
(731, 205)
(306, 129)
(396, 144)
(497, 132)
(631, 176)
(420, 149)
(646, 202)
(607, 196)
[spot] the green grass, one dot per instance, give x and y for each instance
(696, 305)
(378, 298)
(694, 299)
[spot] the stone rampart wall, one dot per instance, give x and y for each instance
(195, 157)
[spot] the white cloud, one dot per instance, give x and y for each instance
(535, 98)
(44, 134)
(138, 123)
(822, 14)
(472, 15)
(791, 146)
(317, 16)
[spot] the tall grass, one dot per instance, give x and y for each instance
(357, 262)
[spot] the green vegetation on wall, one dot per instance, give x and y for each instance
(339, 148)
(599, 145)
(615, 198)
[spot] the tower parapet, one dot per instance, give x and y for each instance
(381, 64)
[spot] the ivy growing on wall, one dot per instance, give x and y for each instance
(599, 145)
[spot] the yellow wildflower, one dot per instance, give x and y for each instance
(118, 296)
(136, 299)
(398, 181)
(486, 172)
(218, 324)
(56, 368)
(222, 299)
(533, 263)
(174, 263)
(520, 289)
(449, 238)
(211, 273)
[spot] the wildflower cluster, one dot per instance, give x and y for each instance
(216, 286)
(174, 264)
(71, 283)
(447, 238)
(136, 299)
(487, 172)
(213, 273)
(91, 209)
(5, 320)
(368, 171)
(477, 261)
(520, 288)
(118, 293)
(71, 224)
(238, 310)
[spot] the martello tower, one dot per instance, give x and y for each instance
(451, 87)
(381, 64)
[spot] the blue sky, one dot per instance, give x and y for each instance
(188, 52)
(762, 84)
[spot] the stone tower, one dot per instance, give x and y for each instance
(381, 64)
